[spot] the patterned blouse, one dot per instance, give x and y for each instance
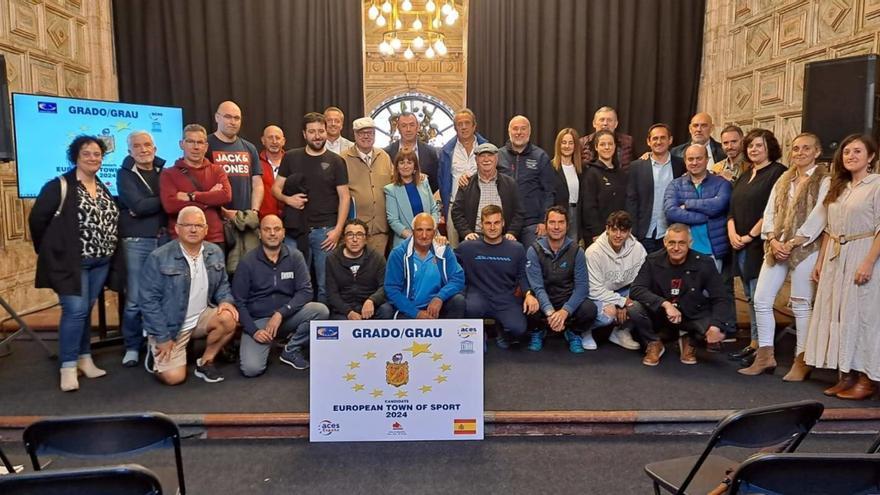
(98, 218)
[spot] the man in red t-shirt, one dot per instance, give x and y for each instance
(270, 159)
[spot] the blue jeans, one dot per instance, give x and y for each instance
(136, 250)
(528, 235)
(295, 330)
(603, 320)
(317, 235)
(749, 287)
(508, 314)
(74, 337)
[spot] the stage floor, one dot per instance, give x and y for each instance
(610, 379)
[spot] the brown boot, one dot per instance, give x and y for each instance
(765, 362)
(687, 349)
(653, 352)
(863, 389)
(846, 381)
(799, 371)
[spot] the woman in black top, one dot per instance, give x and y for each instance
(567, 164)
(603, 187)
(74, 228)
(747, 202)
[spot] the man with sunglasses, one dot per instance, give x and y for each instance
(356, 277)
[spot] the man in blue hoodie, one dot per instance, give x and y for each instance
(423, 279)
(273, 294)
(142, 220)
(557, 272)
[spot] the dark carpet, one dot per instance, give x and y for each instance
(562, 465)
(515, 380)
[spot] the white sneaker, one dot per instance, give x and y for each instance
(622, 337)
(587, 341)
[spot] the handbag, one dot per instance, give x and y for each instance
(229, 236)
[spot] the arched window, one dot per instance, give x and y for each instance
(435, 118)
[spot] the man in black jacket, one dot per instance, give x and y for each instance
(646, 186)
(142, 220)
(356, 277)
(273, 294)
(681, 289)
(700, 129)
(487, 187)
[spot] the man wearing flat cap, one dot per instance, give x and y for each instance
(369, 171)
(487, 187)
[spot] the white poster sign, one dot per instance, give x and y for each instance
(392, 380)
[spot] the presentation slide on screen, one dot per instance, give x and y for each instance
(45, 126)
(393, 380)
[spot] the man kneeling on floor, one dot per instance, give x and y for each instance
(185, 294)
(494, 267)
(558, 276)
(273, 294)
(613, 261)
(680, 289)
(423, 278)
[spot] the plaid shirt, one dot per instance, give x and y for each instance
(488, 196)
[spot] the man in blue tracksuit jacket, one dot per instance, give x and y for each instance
(534, 175)
(422, 278)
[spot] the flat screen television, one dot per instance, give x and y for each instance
(45, 125)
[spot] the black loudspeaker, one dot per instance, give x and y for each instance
(7, 153)
(841, 97)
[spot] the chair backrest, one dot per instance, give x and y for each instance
(129, 479)
(760, 427)
(875, 445)
(768, 426)
(808, 474)
(104, 436)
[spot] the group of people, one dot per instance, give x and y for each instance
(228, 237)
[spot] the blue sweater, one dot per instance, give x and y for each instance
(261, 287)
(494, 270)
(401, 279)
(535, 179)
(710, 209)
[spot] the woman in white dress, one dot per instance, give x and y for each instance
(843, 330)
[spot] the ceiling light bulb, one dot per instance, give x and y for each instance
(406, 5)
(446, 9)
(386, 7)
(417, 24)
(384, 47)
(408, 54)
(373, 13)
(436, 23)
(398, 24)
(418, 43)
(430, 6)
(429, 52)
(380, 21)
(440, 47)
(395, 43)
(453, 15)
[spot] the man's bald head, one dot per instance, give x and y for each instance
(520, 131)
(273, 139)
(700, 128)
(228, 118)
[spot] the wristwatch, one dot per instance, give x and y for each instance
(191, 196)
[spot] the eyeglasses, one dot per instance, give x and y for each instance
(192, 226)
(355, 235)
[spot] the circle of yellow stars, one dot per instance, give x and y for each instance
(415, 349)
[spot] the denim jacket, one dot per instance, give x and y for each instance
(165, 283)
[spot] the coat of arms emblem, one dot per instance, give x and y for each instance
(397, 371)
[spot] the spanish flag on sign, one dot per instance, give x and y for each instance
(465, 427)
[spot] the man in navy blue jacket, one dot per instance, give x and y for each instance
(494, 268)
(535, 178)
(141, 220)
(273, 294)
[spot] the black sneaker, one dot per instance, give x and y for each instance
(207, 372)
(149, 362)
(294, 357)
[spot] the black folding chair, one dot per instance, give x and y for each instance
(128, 479)
(808, 474)
(106, 436)
(783, 424)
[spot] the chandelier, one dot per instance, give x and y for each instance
(412, 31)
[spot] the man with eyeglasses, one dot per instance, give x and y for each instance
(273, 294)
(195, 181)
(241, 162)
(356, 277)
(184, 295)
